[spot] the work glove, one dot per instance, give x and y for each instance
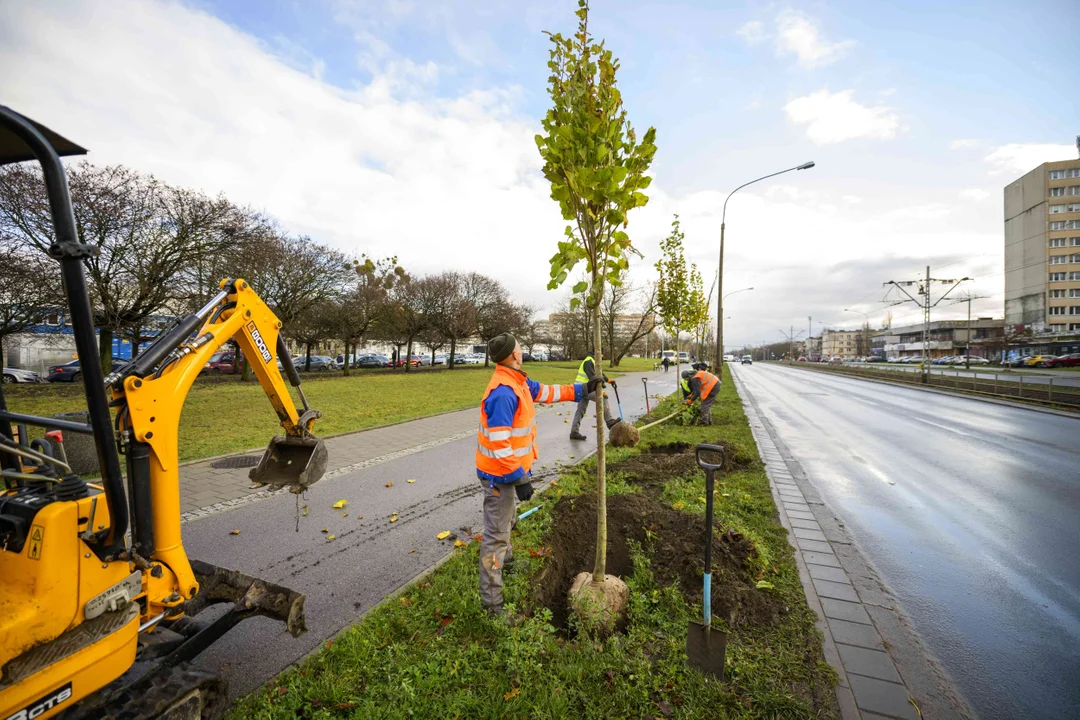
(524, 491)
(590, 387)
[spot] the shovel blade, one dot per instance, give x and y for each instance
(293, 462)
(706, 648)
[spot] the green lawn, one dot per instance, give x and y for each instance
(223, 415)
(431, 652)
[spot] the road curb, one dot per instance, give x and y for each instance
(869, 681)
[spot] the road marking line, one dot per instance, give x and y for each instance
(945, 427)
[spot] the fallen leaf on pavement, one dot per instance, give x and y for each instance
(412, 551)
(340, 504)
(410, 480)
(345, 515)
(393, 518)
(555, 483)
(571, 457)
(443, 535)
(326, 530)
(330, 537)
(235, 532)
(566, 421)
(305, 512)
(512, 694)
(390, 484)
(460, 543)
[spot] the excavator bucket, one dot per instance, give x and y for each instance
(293, 462)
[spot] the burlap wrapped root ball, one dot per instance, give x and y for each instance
(623, 434)
(599, 608)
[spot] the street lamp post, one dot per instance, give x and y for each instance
(866, 337)
(720, 269)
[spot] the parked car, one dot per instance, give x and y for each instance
(320, 363)
(727, 358)
(1037, 360)
(18, 375)
(1070, 360)
(972, 360)
(222, 363)
(71, 371)
(747, 360)
(875, 359)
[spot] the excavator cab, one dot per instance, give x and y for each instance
(101, 611)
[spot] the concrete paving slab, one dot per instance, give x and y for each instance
(833, 574)
(882, 697)
(842, 610)
(871, 663)
(835, 590)
(821, 558)
(851, 633)
(807, 534)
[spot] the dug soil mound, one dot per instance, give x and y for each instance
(658, 464)
(674, 541)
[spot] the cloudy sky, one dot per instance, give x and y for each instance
(406, 127)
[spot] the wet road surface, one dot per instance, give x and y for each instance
(969, 511)
(369, 556)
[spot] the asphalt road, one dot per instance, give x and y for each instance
(369, 557)
(1037, 378)
(969, 511)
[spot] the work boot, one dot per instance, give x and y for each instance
(613, 422)
(577, 436)
(500, 614)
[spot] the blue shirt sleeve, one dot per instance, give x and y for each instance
(500, 407)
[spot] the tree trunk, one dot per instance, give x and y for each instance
(348, 360)
(486, 356)
(135, 345)
(105, 338)
(307, 359)
(450, 360)
(600, 568)
(408, 356)
(432, 357)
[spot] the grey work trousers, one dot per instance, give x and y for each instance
(706, 405)
(584, 405)
(495, 550)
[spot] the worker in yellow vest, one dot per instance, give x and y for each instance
(587, 372)
(703, 385)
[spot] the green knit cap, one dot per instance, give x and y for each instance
(501, 346)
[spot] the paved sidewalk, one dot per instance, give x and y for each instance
(869, 686)
(205, 489)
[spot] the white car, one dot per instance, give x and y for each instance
(18, 375)
(729, 358)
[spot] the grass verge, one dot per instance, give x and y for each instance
(223, 415)
(431, 652)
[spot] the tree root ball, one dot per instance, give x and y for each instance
(623, 434)
(599, 608)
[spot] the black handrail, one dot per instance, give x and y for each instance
(70, 253)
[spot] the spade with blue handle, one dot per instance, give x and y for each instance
(705, 645)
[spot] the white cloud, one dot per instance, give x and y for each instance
(964, 144)
(752, 32)
(835, 117)
(976, 194)
(798, 34)
(1021, 158)
(852, 199)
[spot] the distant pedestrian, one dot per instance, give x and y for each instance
(666, 363)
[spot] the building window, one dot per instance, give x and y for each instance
(1059, 259)
(1074, 207)
(1057, 242)
(1074, 309)
(1057, 174)
(1074, 190)
(1057, 192)
(1074, 225)
(1074, 258)
(1057, 294)
(1074, 172)
(1074, 241)
(1056, 209)
(1057, 328)
(1060, 310)
(1074, 326)
(1074, 292)
(1074, 276)
(1057, 225)
(1057, 277)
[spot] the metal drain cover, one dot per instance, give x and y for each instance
(237, 461)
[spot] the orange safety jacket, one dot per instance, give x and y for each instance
(708, 382)
(506, 443)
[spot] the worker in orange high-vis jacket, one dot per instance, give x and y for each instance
(704, 385)
(505, 453)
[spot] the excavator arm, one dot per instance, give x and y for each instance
(149, 394)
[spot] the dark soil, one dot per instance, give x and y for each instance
(656, 465)
(676, 550)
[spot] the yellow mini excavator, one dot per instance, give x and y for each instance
(101, 611)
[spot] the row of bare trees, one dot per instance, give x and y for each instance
(628, 323)
(162, 250)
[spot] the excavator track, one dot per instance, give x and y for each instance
(181, 692)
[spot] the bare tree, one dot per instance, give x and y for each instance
(29, 290)
(621, 329)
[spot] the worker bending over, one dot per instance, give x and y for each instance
(505, 452)
(586, 373)
(704, 385)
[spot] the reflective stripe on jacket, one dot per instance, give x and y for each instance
(506, 442)
(582, 377)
